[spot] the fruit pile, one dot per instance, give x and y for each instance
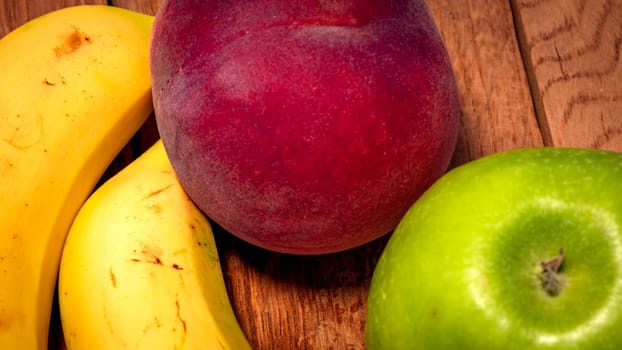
(309, 135)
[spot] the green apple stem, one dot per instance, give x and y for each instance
(550, 274)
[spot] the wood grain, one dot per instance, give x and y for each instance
(530, 73)
(497, 109)
(14, 13)
(149, 7)
(573, 51)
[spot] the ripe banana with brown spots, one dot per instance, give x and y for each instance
(140, 269)
(74, 88)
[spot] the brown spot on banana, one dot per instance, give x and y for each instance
(113, 278)
(183, 322)
(156, 192)
(72, 42)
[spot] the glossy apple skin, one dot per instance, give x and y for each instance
(461, 270)
(304, 127)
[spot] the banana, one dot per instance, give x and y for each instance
(140, 269)
(74, 89)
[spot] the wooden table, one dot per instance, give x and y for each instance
(530, 73)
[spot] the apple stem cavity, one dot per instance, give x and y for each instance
(549, 276)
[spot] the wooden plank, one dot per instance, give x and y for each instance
(497, 109)
(14, 13)
(573, 50)
(299, 302)
(149, 7)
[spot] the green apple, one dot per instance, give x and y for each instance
(517, 250)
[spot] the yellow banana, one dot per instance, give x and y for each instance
(74, 89)
(140, 269)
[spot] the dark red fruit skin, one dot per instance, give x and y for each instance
(304, 127)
